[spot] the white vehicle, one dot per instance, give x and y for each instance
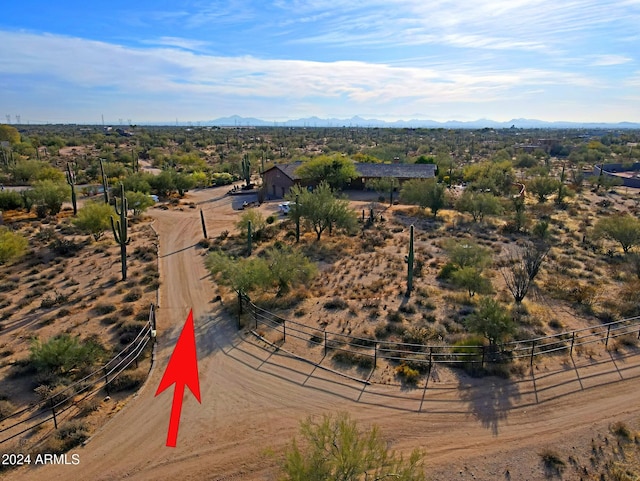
(284, 208)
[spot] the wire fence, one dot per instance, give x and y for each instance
(54, 407)
(366, 352)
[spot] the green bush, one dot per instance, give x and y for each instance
(102, 309)
(12, 245)
(63, 353)
(408, 374)
(10, 200)
(133, 295)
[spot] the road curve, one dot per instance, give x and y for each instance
(253, 399)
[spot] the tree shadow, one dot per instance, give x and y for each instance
(490, 399)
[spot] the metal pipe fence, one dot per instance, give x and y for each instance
(52, 407)
(566, 342)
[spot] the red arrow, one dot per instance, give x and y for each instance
(183, 371)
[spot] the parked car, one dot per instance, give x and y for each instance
(284, 208)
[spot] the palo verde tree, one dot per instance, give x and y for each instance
(624, 229)
(479, 204)
(94, 219)
(542, 187)
(334, 448)
(48, 196)
(466, 263)
(321, 209)
(138, 202)
(491, 320)
(336, 171)
(425, 193)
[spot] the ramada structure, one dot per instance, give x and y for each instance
(278, 179)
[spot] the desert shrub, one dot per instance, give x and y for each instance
(12, 245)
(8, 285)
(72, 433)
(336, 303)
(103, 308)
(408, 374)
(271, 219)
(407, 309)
(553, 463)
(133, 295)
(6, 408)
(447, 271)
(63, 353)
(88, 406)
(65, 247)
(10, 200)
(52, 301)
(127, 381)
(127, 311)
(622, 431)
(354, 359)
(394, 316)
(144, 253)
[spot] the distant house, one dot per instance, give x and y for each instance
(279, 178)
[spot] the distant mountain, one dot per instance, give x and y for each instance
(357, 121)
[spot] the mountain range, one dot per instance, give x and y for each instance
(357, 121)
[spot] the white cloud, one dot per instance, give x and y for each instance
(91, 64)
(610, 60)
(184, 43)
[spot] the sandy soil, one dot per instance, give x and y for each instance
(253, 398)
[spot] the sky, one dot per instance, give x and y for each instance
(145, 61)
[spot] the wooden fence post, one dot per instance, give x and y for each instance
(239, 308)
(573, 340)
(375, 355)
(533, 349)
(53, 410)
(255, 314)
(606, 342)
(483, 356)
(284, 330)
(326, 347)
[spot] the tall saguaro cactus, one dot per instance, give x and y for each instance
(105, 186)
(409, 260)
(246, 169)
(120, 229)
(71, 180)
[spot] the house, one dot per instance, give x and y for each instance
(278, 179)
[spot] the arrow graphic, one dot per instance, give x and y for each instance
(182, 370)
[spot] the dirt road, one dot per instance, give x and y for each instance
(253, 399)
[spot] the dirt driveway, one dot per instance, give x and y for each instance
(253, 399)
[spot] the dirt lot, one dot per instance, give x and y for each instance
(253, 398)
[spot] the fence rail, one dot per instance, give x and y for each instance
(51, 408)
(375, 349)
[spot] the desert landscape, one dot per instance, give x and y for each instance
(555, 415)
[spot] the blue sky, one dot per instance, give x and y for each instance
(150, 61)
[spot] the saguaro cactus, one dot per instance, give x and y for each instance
(135, 166)
(120, 229)
(409, 260)
(105, 186)
(246, 169)
(71, 180)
